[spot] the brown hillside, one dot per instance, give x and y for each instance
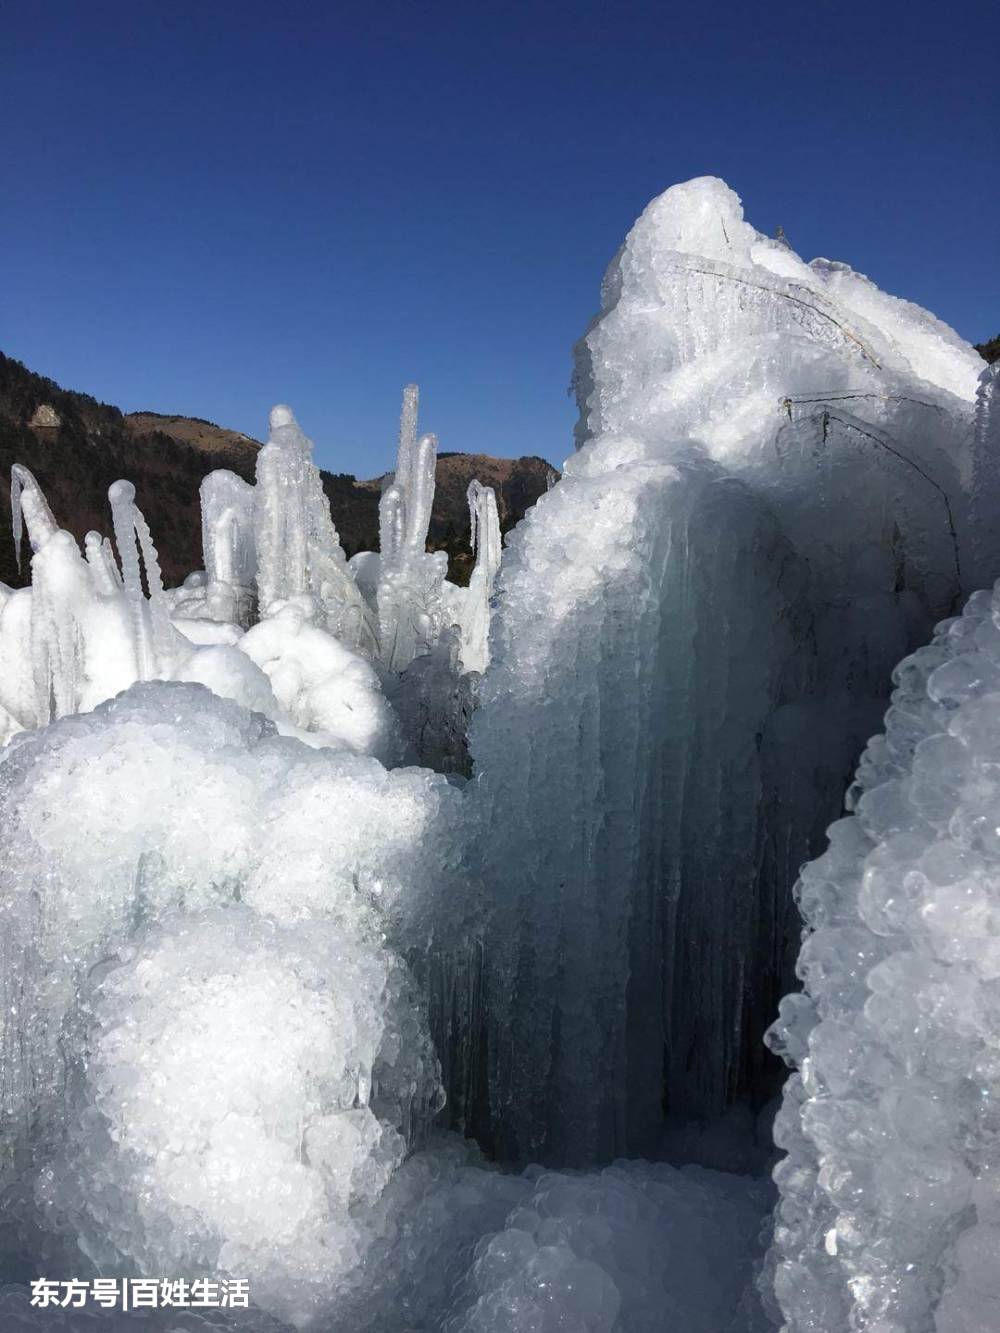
(204, 435)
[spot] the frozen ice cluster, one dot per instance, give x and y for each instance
(780, 487)
(314, 871)
(278, 618)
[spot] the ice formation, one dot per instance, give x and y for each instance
(213, 965)
(299, 852)
(409, 591)
(229, 546)
(662, 746)
(297, 547)
(84, 630)
(486, 546)
(231, 981)
(277, 587)
(890, 1212)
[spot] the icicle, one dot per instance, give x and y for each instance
(405, 508)
(101, 559)
(297, 546)
(484, 520)
(227, 529)
(420, 499)
(486, 547)
(986, 478)
(163, 631)
(390, 524)
(225, 544)
(27, 499)
(123, 512)
(407, 436)
(411, 614)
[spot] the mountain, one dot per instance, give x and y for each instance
(989, 350)
(77, 447)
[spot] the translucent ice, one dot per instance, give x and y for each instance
(888, 1201)
(411, 610)
(485, 529)
(297, 547)
(84, 629)
(228, 544)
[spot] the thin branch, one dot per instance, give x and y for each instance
(826, 417)
(785, 296)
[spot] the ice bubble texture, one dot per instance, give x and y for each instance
(888, 1210)
(212, 1056)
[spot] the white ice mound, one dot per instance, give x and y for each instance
(239, 1098)
(320, 684)
(697, 311)
(890, 1210)
(212, 1052)
(781, 486)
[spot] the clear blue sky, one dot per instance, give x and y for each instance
(210, 207)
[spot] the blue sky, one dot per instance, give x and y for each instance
(210, 207)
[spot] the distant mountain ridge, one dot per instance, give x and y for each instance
(204, 435)
(77, 446)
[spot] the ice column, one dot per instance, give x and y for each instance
(29, 507)
(49, 664)
(298, 550)
(410, 610)
(486, 546)
(986, 477)
(155, 640)
(644, 633)
(227, 534)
